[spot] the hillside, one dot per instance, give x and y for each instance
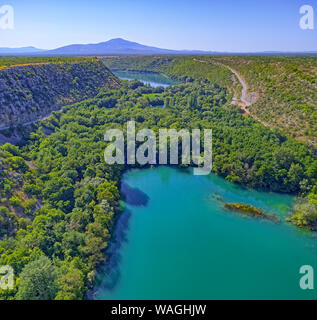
(19, 190)
(285, 87)
(286, 90)
(181, 68)
(34, 89)
(15, 61)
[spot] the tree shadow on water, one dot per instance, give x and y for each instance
(110, 273)
(134, 196)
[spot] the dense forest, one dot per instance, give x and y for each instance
(59, 198)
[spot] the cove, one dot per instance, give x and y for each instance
(148, 78)
(175, 240)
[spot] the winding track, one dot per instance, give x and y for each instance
(30, 122)
(243, 98)
(245, 102)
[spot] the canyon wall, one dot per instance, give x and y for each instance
(30, 92)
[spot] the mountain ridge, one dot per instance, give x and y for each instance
(22, 50)
(120, 46)
(117, 46)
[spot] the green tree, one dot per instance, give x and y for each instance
(38, 280)
(70, 285)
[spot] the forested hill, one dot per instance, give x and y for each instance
(30, 90)
(285, 86)
(287, 91)
(184, 68)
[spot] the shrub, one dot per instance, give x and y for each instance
(15, 201)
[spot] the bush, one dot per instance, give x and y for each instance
(15, 201)
(305, 216)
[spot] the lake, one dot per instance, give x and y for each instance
(148, 78)
(175, 240)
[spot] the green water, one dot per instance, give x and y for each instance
(149, 78)
(175, 241)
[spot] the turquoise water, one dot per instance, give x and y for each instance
(152, 79)
(175, 241)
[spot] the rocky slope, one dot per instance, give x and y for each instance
(31, 92)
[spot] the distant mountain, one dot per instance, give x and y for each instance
(114, 47)
(124, 47)
(19, 51)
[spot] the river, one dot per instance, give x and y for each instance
(149, 78)
(175, 240)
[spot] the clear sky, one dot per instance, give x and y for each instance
(216, 25)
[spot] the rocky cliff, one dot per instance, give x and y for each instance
(31, 92)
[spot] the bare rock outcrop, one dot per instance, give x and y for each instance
(28, 93)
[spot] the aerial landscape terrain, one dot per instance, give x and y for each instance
(59, 200)
(75, 227)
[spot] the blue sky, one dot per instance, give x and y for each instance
(217, 25)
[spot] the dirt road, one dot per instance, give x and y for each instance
(246, 102)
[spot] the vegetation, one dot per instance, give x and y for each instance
(59, 198)
(286, 89)
(184, 69)
(285, 86)
(37, 90)
(18, 190)
(37, 280)
(6, 62)
(305, 215)
(250, 211)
